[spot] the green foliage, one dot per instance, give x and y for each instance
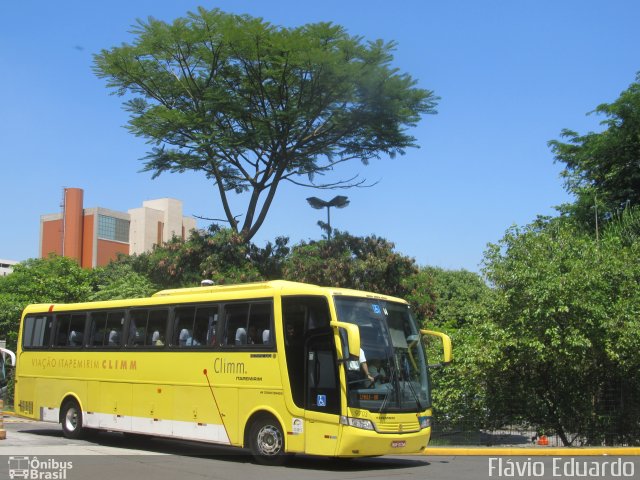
(602, 168)
(568, 310)
(418, 289)
(362, 263)
(119, 281)
(625, 226)
(48, 280)
(461, 296)
(250, 104)
(221, 255)
(462, 302)
(461, 395)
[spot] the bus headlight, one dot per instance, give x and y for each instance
(357, 422)
(425, 422)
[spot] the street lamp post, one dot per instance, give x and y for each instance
(339, 201)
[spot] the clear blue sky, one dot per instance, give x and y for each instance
(510, 74)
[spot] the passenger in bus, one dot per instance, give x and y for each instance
(378, 372)
(290, 331)
(358, 364)
(241, 336)
(114, 338)
(291, 334)
(252, 335)
(156, 339)
(183, 337)
(135, 337)
(75, 338)
(211, 329)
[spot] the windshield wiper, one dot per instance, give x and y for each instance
(415, 394)
(392, 376)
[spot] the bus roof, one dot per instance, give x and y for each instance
(282, 286)
(213, 293)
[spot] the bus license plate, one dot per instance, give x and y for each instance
(398, 444)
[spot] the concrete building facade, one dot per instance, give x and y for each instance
(6, 267)
(95, 236)
(156, 222)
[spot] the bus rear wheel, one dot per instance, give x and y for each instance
(71, 419)
(266, 441)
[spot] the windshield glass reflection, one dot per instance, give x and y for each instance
(391, 354)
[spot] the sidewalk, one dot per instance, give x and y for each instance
(18, 441)
(531, 451)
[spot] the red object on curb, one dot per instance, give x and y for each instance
(543, 440)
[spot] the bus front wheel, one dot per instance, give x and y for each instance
(71, 417)
(266, 441)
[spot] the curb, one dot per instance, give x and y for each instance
(9, 416)
(531, 451)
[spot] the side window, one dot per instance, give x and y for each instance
(301, 314)
(115, 323)
(148, 327)
(195, 326)
(157, 327)
(98, 321)
(137, 327)
(259, 330)
(106, 329)
(36, 331)
(249, 323)
(205, 325)
(70, 330)
(183, 332)
(236, 316)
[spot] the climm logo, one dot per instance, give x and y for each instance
(119, 365)
(220, 365)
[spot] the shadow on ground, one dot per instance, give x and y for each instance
(230, 454)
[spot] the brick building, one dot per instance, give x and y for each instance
(95, 236)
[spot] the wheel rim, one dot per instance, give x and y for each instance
(71, 419)
(269, 440)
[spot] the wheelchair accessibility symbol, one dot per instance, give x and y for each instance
(322, 400)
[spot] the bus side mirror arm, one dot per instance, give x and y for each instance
(353, 338)
(11, 355)
(446, 346)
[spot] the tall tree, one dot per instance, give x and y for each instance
(567, 307)
(42, 280)
(362, 263)
(461, 296)
(603, 169)
(219, 255)
(251, 104)
(118, 280)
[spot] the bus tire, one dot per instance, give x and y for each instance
(266, 441)
(71, 419)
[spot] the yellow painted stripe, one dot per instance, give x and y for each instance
(531, 451)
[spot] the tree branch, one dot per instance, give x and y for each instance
(343, 184)
(216, 219)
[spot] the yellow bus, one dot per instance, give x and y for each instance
(277, 367)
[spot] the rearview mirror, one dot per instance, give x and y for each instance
(447, 355)
(353, 338)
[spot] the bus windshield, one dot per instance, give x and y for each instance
(390, 344)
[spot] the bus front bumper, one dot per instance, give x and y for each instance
(356, 442)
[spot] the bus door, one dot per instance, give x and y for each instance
(322, 393)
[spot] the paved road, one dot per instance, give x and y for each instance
(113, 456)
